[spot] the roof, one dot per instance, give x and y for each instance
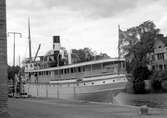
(164, 40)
(80, 64)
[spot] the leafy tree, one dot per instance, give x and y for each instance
(12, 71)
(139, 44)
(86, 54)
(136, 46)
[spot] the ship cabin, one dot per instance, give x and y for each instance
(77, 71)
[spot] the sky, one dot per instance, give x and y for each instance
(80, 23)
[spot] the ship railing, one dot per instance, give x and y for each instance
(92, 73)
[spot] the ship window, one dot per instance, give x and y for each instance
(92, 83)
(68, 70)
(104, 82)
(84, 83)
(75, 70)
(83, 69)
(79, 69)
(61, 71)
(31, 65)
(72, 70)
(56, 72)
(87, 68)
(46, 72)
(96, 66)
(113, 80)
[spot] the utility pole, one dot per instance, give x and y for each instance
(14, 36)
(15, 80)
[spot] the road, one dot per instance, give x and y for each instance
(51, 108)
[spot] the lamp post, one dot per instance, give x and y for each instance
(14, 36)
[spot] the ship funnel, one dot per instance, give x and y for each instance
(56, 43)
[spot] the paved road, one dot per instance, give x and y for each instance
(50, 108)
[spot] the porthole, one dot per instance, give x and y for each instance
(113, 80)
(84, 83)
(92, 83)
(104, 82)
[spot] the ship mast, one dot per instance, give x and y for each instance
(29, 39)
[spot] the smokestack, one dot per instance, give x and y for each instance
(56, 43)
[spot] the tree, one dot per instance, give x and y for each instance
(12, 71)
(139, 44)
(86, 54)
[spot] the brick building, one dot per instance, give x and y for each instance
(3, 57)
(159, 57)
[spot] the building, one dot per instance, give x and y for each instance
(159, 56)
(3, 57)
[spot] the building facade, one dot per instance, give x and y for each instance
(159, 56)
(3, 57)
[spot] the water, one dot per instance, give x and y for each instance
(157, 100)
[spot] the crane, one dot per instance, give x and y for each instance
(37, 52)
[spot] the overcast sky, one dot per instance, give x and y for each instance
(80, 23)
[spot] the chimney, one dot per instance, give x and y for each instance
(56, 43)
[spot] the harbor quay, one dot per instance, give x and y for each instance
(58, 108)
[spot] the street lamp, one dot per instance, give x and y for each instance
(14, 36)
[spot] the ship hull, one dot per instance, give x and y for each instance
(101, 90)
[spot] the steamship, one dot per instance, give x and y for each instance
(50, 77)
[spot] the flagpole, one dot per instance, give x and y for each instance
(118, 41)
(118, 47)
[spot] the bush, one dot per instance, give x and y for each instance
(159, 81)
(156, 85)
(164, 85)
(139, 86)
(140, 74)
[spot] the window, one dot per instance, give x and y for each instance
(61, 71)
(153, 58)
(72, 70)
(56, 72)
(67, 71)
(160, 67)
(83, 68)
(165, 66)
(79, 69)
(160, 56)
